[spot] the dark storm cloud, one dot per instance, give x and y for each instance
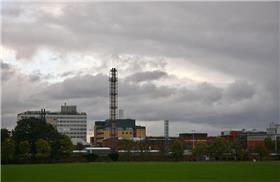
(5, 66)
(240, 90)
(6, 71)
(240, 40)
(147, 76)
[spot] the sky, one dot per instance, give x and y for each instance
(205, 66)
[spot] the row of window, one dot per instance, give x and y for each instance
(74, 136)
(72, 121)
(75, 133)
(78, 129)
(72, 125)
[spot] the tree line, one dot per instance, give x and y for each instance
(34, 140)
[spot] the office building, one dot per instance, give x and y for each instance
(68, 121)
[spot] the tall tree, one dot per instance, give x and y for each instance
(32, 129)
(24, 149)
(8, 150)
(5, 134)
(220, 148)
(43, 149)
(261, 150)
(200, 150)
(177, 150)
(66, 146)
(269, 144)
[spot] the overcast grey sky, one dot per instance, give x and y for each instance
(204, 66)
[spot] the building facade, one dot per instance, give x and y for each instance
(68, 121)
(191, 139)
(273, 131)
(126, 130)
(248, 139)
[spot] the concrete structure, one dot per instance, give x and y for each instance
(248, 139)
(274, 133)
(125, 130)
(274, 129)
(68, 121)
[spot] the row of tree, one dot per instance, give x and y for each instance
(218, 149)
(222, 149)
(34, 140)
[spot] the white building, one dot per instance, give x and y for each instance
(68, 121)
(274, 129)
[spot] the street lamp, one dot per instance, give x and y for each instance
(275, 143)
(193, 138)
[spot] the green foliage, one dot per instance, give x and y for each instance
(8, 150)
(24, 149)
(143, 147)
(261, 150)
(114, 156)
(66, 146)
(33, 129)
(177, 150)
(91, 157)
(5, 134)
(269, 144)
(43, 149)
(200, 150)
(239, 152)
(128, 146)
(220, 149)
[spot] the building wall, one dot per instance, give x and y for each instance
(72, 125)
(125, 134)
(141, 133)
(107, 133)
(127, 130)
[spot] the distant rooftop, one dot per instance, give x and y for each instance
(65, 109)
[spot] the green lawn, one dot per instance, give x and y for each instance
(149, 171)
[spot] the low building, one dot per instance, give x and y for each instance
(191, 139)
(126, 130)
(68, 121)
(248, 139)
(158, 142)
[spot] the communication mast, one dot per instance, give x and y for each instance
(113, 93)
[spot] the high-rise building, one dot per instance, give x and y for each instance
(68, 121)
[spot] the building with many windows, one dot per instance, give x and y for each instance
(68, 121)
(126, 130)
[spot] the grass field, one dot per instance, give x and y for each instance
(150, 171)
